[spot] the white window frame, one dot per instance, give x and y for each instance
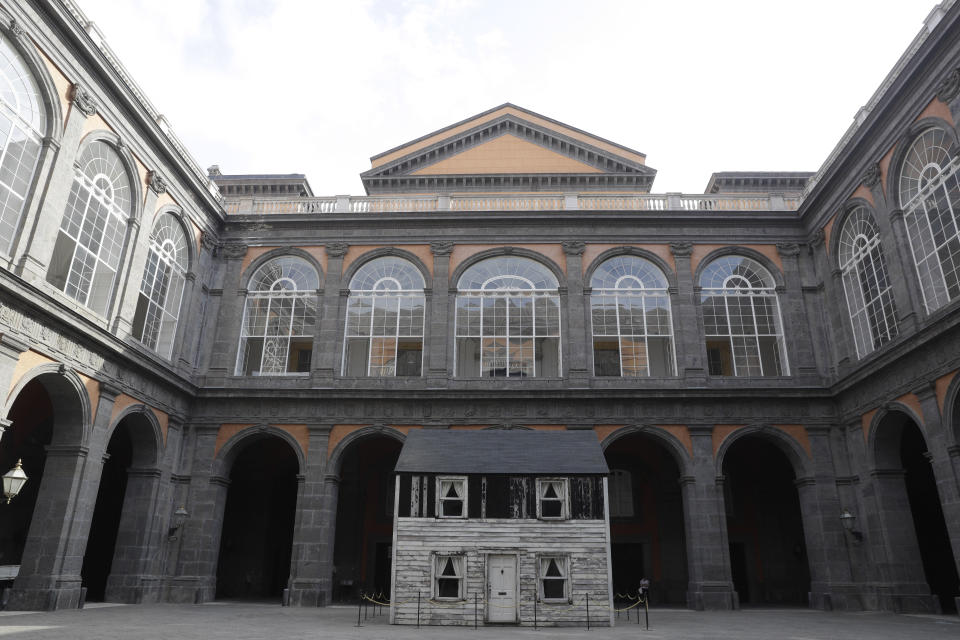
(441, 499)
(161, 291)
(564, 499)
(563, 563)
(459, 564)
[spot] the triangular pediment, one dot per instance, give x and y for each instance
(508, 149)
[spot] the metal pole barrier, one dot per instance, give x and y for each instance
(476, 610)
(588, 612)
(534, 612)
(359, 609)
(418, 609)
(366, 604)
(646, 609)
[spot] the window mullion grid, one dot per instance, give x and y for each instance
(852, 313)
(506, 329)
(616, 306)
(482, 308)
(243, 336)
(533, 331)
(756, 328)
(930, 257)
(266, 331)
(733, 350)
(373, 313)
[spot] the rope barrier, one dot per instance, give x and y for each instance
(461, 603)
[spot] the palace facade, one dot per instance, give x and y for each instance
(209, 377)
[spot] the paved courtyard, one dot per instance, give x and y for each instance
(242, 621)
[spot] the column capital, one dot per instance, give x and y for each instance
(157, 184)
(12, 346)
(681, 249)
(336, 249)
(441, 247)
(871, 175)
(82, 100)
(788, 249)
(573, 247)
(234, 250)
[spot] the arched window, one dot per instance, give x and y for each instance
(873, 313)
(508, 319)
(93, 230)
(741, 319)
(22, 126)
(930, 198)
(279, 319)
(632, 328)
(384, 334)
(155, 320)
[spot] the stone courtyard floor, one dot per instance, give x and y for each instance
(243, 621)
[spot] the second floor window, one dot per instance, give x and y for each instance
(279, 319)
(552, 501)
(155, 320)
(93, 230)
(452, 497)
(384, 334)
(508, 319)
(741, 319)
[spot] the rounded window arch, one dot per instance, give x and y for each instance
(741, 319)
(508, 319)
(384, 328)
(930, 198)
(632, 325)
(279, 319)
(873, 313)
(93, 230)
(161, 290)
(22, 127)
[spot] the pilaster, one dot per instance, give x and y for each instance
(578, 367)
(331, 315)
(440, 331)
(691, 363)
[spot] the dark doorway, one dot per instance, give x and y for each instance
(257, 536)
(764, 525)
(646, 519)
(362, 551)
(27, 437)
(939, 565)
(106, 514)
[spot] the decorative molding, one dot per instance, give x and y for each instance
(234, 250)
(788, 249)
(208, 241)
(337, 249)
(441, 247)
(871, 176)
(681, 249)
(896, 215)
(819, 237)
(949, 87)
(83, 101)
(573, 247)
(157, 184)
(15, 29)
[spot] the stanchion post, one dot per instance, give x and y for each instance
(645, 592)
(418, 609)
(359, 608)
(534, 611)
(588, 612)
(476, 610)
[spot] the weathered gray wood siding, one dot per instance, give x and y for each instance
(583, 541)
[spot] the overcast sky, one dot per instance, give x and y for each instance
(318, 87)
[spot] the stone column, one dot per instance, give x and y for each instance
(223, 358)
(140, 509)
(799, 344)
(331, 316)
(837, 328)
(578, 327)
(309, 570)
(40, 226)
(689, 334)
(440, 331)
(705, 524)
(328, 518)
(901, 272)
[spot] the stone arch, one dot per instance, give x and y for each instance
(237, 443)
(746, 252)
(147, 443)
(669, 442)
(335, 461)
(951, 411)
(384, 252)
(185, 226)
(48, 90)
(129, 165)
(661, 264)
(68, 395)
(280, 252)
(787, 444)
(903, 144)
(885, 431)
(509, 251)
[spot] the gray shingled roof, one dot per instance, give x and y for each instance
(502, 451)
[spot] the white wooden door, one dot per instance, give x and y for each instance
(502, 582)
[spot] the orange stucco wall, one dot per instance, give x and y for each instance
(720, 433)
(27, 361)
(798, 433)
(863, 192)
(463, 252)
(300, 433)
(828, 233)
(865, 420)
(942, 385)
(506, 154)
(913, 402)
(341, 431)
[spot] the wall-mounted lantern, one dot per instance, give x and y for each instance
(848, 520)
(179, 517)
(13, 481)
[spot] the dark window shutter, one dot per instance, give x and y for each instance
(403, 509)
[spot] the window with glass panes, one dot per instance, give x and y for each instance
(452, 497)
(554, 578)
(93, 230)
(930, 198)
(873, 313)
(384, 329)
(161, 290)
(22, 127)
(630, 311)
(279, 319)
(448, 577)
(741, 319)
(552, 501)
(508, 319)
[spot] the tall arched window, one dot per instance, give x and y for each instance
(155, 320)
(741, 319)
(94, 227)
(279, 319)
(930, 198)
(22, 126)
(508, 319)
(384, 334)
(632, 328)
(873, 313)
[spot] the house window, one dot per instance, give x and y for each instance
(384, 335)
(741, 319)
(621, 494)
(279, 319)
(158, 306)
(554, 578)
(552, 499)
(508, 320)
(448, 577)
(632, 327)
(452, 497)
